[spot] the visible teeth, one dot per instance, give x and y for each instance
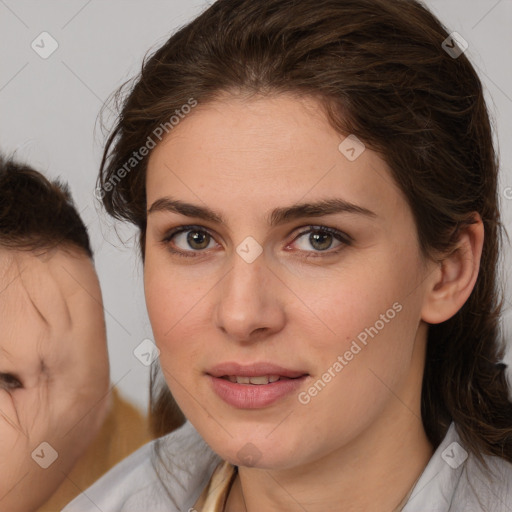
(259, 380)
(263, 379)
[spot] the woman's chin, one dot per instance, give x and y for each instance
(254, 452)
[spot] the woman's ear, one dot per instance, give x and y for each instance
(455, 277)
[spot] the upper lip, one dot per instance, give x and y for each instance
(253, 370)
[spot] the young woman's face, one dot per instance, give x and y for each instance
(272, 251)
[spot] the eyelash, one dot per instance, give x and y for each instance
(345, 239)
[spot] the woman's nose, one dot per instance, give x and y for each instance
(249, 300)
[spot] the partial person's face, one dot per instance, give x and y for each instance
(54, 372)
(332, 305)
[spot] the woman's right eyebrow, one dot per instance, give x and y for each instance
(277, 216)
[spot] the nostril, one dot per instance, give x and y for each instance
(9, 381)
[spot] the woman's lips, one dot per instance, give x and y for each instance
(232, 383)
(253, 370)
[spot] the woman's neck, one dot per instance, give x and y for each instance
(374, 471)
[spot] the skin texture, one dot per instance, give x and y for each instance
(360, 440)
(53, 343)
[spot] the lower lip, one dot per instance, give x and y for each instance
(254, 396)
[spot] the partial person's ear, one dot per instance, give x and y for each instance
(454, 279)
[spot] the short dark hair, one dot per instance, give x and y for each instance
(36, 213)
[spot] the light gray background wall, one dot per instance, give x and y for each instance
(49, 109)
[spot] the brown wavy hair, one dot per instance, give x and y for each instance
(379, 70)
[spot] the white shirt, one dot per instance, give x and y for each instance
(453, 480)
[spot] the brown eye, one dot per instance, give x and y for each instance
(9, 382)
(320, 241)
(322, 238)
(188, 241)
(198, 239)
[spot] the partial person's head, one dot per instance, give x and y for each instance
(241, 118)
(54, 371)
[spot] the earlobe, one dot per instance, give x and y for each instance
(454, 279)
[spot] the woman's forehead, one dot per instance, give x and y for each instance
(269, 152)
(263, 124)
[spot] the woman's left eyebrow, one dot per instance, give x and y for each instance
(277, 216)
